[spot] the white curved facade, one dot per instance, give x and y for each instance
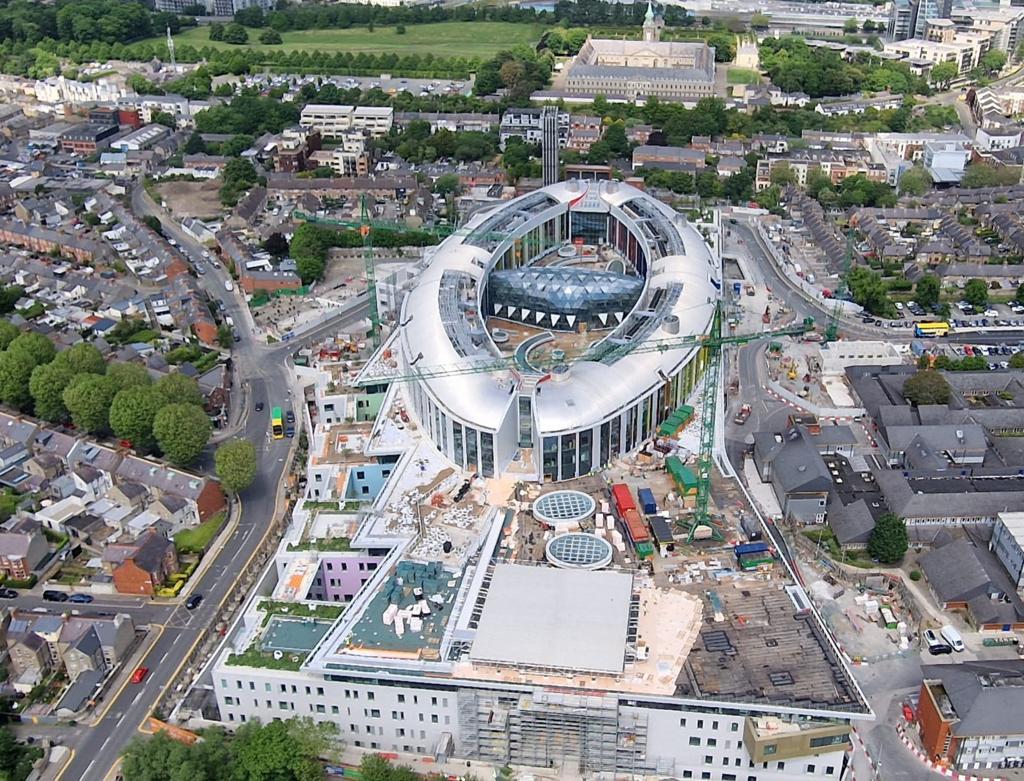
(566, 426)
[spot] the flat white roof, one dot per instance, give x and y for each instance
(554, 618)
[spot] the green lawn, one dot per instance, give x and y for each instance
(196, 539)
(444, 39)
(743, 76)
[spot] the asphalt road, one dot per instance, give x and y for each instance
(263, 370)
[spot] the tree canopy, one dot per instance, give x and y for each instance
(276, 751)
(926, 387)
(181, 431)
(888, 541)
(235, 462)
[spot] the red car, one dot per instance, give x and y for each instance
(139, 674)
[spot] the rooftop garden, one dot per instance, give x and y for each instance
(327, 544)
(300, 610)
(254, 657)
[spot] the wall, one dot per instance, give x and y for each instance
(341, 575)
(930, 725)
(367, 480)
(368, 406)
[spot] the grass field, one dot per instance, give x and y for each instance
(444, 39)
(743, 76)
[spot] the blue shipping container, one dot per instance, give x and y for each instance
(750, 547)
(647, 503)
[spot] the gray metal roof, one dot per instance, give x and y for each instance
(987, 696)
(954, 572)
(557, 618)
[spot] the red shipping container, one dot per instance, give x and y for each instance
(635, 527)
(623, 498)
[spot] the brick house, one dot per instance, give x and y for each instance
(21, 552)
(140, 567)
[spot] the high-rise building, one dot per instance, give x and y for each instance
(930, 9)
(902, 20)
(549, 143)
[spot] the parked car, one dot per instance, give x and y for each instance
(289, 417)
(8, 593)
(936, 646)
(259, 406)
(55, 596)
(952, 638)
(82, 599)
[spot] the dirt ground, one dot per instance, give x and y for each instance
(192, 199)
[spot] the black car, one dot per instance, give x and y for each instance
(55, 596)
(8, 593)
(289, 417)
(259, 406)
(193, 601)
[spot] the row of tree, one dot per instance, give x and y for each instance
(77, 385)
(417, 144)
(279, 750)
(84, 21)
(311, 243)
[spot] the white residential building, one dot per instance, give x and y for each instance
(333, 121)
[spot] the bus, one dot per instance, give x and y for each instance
(277, 423)
(931, 329)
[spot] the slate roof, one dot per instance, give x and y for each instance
(955, 573)
(987, 696)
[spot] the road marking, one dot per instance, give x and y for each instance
(89, 767)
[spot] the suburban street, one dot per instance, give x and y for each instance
(262, 371)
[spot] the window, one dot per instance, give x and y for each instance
(830, 770)
(700, 723)
(334, 710)
(687, 774)
(682, 722)
(708, 759)
(712, 742)
(320, 709)
(810, 768)
(374, 713)
(266, 687)
(770, 748)
(401, 698)
(728, 777)
(369, 695)
(694, 741)
(714, 725)
(319, 691)
(433, 718)
(282, 705)
(734, 727)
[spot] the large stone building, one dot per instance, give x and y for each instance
(634, 70)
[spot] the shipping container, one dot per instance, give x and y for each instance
(750, 547)
(635, 527)
(755, 560)
(917, 348)
(623, 498)
(647, 503)
(662, 531)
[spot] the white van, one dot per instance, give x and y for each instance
(951, 636)
(228, 286)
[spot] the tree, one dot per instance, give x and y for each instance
(35, 346)
(994, 60)
(15, 376)
(132, 413)
(281, 749)
(270, 37)
(236, 34)
(927, 290)
(16, 758)
(182, 431)
(915, 181)
(943, 73)
(82, 358)
(782, 175)
(276, 244)
(216, 31)
(1019, 297)
(926, 387)
(851, 27)
(88, 399)
(986, 175)
(447, 184)
(236, 464)
(128, 375)
(9, 297)
(160, 758)
(976, 293)
(760, 21)
(225, 336)
(8, 333)
(165, 118)
(869, 290)
(888, 540)
(1017, 361)
(47, 385)
(178, 388)
(400, 29)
